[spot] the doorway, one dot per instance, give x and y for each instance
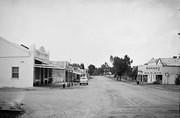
(159, 79)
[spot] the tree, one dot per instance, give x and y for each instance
(98, 71)
(121, 66)
(105, 67)
(134, 72)
(127, 65)
(91, 69)
(118, 66)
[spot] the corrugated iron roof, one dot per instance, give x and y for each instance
(170, 61)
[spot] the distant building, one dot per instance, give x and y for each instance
(63, 73)
(161, 70)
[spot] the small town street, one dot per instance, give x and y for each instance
(102, 98)
(89, 59)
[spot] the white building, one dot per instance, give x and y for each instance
(162, 70)
(16, 65)
(21, 66)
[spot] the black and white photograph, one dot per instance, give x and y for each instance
(89, 58)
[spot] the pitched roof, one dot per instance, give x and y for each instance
(153, 60)
(170, 61)
(8, 48)
(21, 47)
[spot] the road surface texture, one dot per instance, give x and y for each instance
(102, 98)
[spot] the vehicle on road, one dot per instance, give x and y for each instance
(83, 80)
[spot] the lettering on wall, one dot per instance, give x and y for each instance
(156, 70)
(153, 68)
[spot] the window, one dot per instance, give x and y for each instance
(15, 72)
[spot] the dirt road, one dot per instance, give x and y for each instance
(102, 98)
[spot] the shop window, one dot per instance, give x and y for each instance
(15, 72)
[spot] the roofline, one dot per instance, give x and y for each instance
(15, 45)
(161, 62)
(171, 66)
(165, 65)
(15, 56)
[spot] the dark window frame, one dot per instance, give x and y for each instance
(15, 72)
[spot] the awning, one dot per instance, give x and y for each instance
(41, 60)
(75, 72)
(47, 66)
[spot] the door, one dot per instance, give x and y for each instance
(159, 79)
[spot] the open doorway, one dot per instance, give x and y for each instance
(159, 79)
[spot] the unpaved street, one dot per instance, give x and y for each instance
(102, 98)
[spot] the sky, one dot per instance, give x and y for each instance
(89, 31)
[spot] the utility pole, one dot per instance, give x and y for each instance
(179, 95)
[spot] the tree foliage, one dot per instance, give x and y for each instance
(91, 69)
(102, 70)
(105, 68)
(134, 72)
(98, 71)
(121, 66)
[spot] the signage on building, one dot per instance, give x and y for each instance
(146, 70)
(153, 68)
(41, 54)
(156, 73)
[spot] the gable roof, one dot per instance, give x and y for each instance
(170, 61)
(19, 47)
(153, 60)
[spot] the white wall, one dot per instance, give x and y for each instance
(25, 65)
(14, 55)
(172, 72)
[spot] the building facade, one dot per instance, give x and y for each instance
(63, 73)
(16, 65)
(21, 66)
(160, 71)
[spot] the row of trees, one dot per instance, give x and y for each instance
(104, 69)
(120, 67)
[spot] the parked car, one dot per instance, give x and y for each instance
(83, 80)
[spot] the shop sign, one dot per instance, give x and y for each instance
(41, 55)
(156, 70)
(156, 73)
(153, 68)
